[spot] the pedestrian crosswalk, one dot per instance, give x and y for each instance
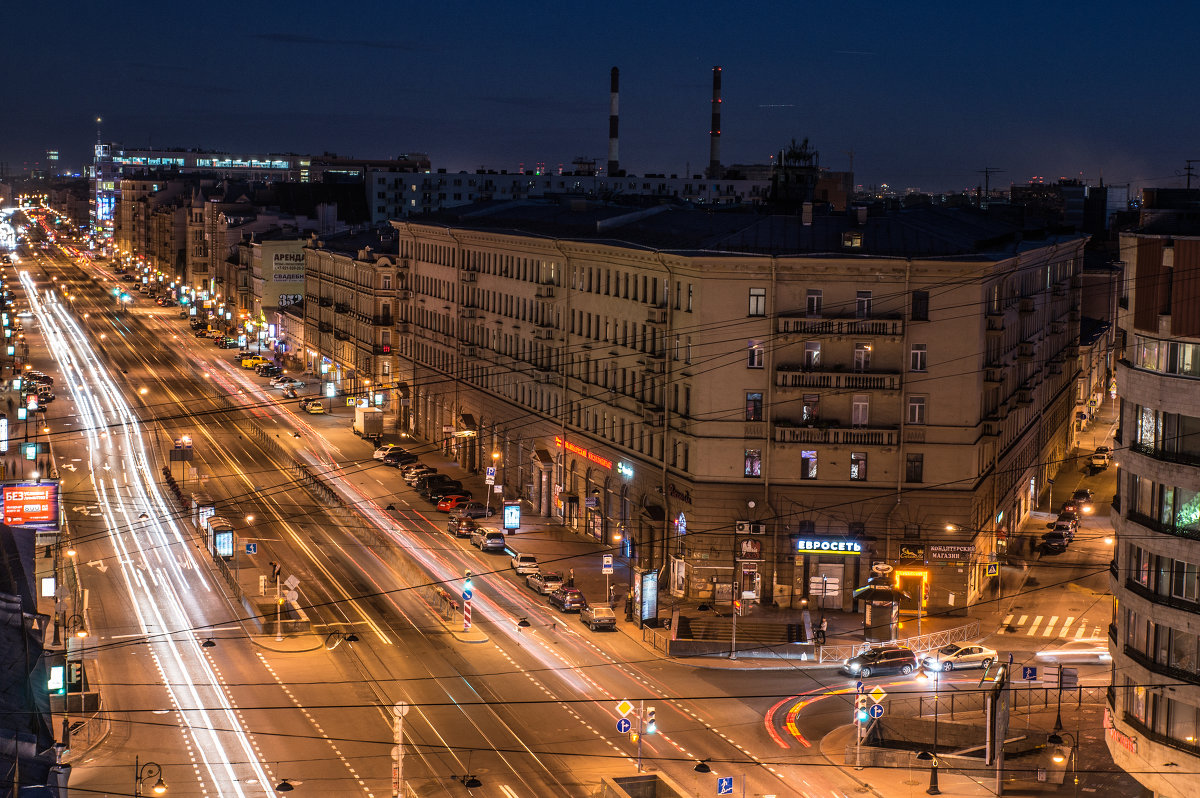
(1067, 626)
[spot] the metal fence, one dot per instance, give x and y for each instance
(919, 644)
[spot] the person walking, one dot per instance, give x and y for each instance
(571, 579)
(821, 631)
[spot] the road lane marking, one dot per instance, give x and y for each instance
(1066, 627)
(1049, 631)
(1006, 621)
(1033, 629)
(1079, 633)
(1021, 622)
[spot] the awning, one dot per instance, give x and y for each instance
(467, 421)
(654, 512)
(543, 456)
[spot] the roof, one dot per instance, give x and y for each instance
(918, 232)
(381, 242)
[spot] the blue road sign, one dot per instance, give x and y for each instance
(993, 569)
(624, 725)
(725, 785)
(252, 548)
(1029, 673)
(876, 711)
(466, 594)
(858, 686)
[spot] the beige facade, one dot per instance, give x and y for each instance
(1154, 702)
(712, 415)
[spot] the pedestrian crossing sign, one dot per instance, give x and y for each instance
(993, 569)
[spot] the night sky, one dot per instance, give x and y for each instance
(924, 94)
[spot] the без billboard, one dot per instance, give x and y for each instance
(32, 505)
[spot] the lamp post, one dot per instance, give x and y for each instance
(491, 488)
(143, 772)
(1059, 756)
(924, 675)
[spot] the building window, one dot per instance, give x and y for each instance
(920, 306)
(810, 409)
(812, 355)
(914, 467)
(754, 406)
(753, 462)
(862, 304)
(862, 357)
(755, 354)
(858, 465)
(808, 464)
(758, 302)
(859, 410)
(813, 306)
(916, 358)
(916, 410)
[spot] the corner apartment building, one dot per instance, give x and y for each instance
(1154, 701)
(774, 402)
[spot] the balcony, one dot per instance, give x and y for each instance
(381, 349)
(993, 375)
(1174, 602)
(1026, 305)
(325, 327)
(467, 276)
(1162, 527)
(1025, 350)
(1182, 458)
(792, 377)
(656, 316)
(381, 321)
(653, 416)
(326, 301)
(468, 313)
(341, 307)
(889, 325)
(341, 335)
(543, 333)
(545, 292)
(837, 436)
(547, 376)
(1173, 671)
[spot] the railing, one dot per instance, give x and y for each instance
(1174, 602)
(1192, 748)
(1182, 458)
(849, 436)
(1160, 526)
(793, 377)
(1148, 662)
(1025, 697)
(824, 326)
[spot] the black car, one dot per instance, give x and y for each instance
(1055, 542)
(268, 370)
(435, 493)
(881, 660)
(397, 459)
(461, 526)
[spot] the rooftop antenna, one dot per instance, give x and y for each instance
(987, 173)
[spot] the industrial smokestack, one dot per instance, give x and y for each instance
(614, 88)
(714, 135)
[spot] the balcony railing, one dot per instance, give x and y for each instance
(1147, 662)
(847, 436)
(342, 307)
(1183, 458)
(382, 321)
(1174, 602)
(1163, 527)
(326, 301)
(793, 377)
(876, 325)
(1192, 748)
(325, 327)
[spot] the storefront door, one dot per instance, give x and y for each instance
(830, 578)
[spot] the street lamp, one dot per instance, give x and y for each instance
(1059, 756)
(924, 675)
(143, 772)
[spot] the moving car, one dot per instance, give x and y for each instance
(881, 660)
(567, 599)
(487, 539)
(284, 381)
(598, 618)
(544, 582)
(524, 563)
(313, 406)
(1083, 498)
(958, 655)
(1084, 650)
(461, 527)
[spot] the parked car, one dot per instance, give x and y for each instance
(1098, 462)
(414, 471)
(1070, 506)
(268, 370)
(438, 487)
(881, 660)
(475, 510)
(447, 490)
(524, 563)
(1083, 498)
(461, 527)
(397, 459)
(427, 480)
(544, 582)
(1066, 528)
(567, 599)
(448, 503)
(1070, 515)
(596, 618)
(1055, 542)
(1084, 650)
(487, 539)
(957, 656)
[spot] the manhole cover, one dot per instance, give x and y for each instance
(912, 782)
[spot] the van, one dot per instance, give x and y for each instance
(486, 539)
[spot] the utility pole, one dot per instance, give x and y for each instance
(1189, 172)
(987, 173)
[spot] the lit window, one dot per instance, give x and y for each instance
(753, 462)
(808, 464)
(858, 465)
(755, 355)
(758, 302)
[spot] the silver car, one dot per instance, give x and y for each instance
(955, 655)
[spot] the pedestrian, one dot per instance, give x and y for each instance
(821, 630)
(571, 579)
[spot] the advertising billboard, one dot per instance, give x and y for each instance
(512, 515)
(33, 505)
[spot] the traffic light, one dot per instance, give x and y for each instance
(860, 709)
(467, 580)
(651, 724)
(737, 606)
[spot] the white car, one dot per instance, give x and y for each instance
(524, 563)
(1093, 650)
(382, 451)
(287, 382)
(955, 655)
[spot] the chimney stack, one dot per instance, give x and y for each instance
(714, 135)
(613, 166)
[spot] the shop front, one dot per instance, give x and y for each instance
(826, 570)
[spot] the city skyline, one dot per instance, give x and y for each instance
(914, 99)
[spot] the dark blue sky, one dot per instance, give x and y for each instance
(924, 94)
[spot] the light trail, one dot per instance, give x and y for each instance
(160, 589)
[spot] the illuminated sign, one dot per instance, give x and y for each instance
(647, 599)
(223, 542)
(951, 552)
(625, 470)
(32, 505)
(828, 546)
(512, 515)
(582, 452)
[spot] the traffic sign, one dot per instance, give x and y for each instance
(1029, 673)
(993, 569)
(252, 548)
(606, 566)
(876, 711)
(490, 476)
(1068, 678)
(858, 686)
(725, 785)
(467, 594)
(624, 725)
(877, 694)
(624, 708)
